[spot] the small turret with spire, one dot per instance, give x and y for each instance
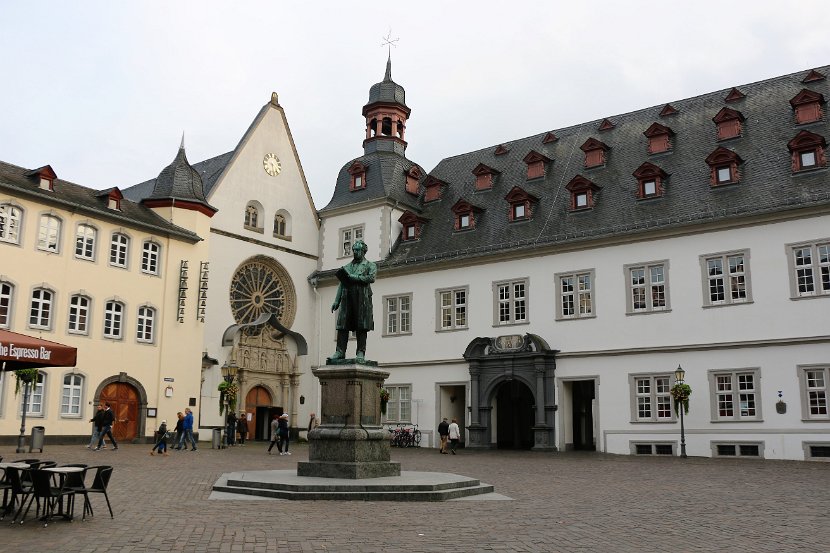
(181, 185)
(386, 114)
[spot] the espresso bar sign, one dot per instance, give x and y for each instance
(11, 351)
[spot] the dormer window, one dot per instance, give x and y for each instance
(659, 138)
(114, 197)
(44, 176)
(484, 176)
(729, 123)
(807, 106)
(432, 188)
(583, 193)
(535, 164)
(500, 150)
(521, 204)
(594, 153)
(465, 215)
(723, 164)
(358, 172)
(114, 203)
(650, 180)
(412, 225)
(808, 151)
(413, 177)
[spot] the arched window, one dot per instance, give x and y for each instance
(150, 254)
(6, 297)
(79, 314)
(279, 225)
(119, 250)
(35, 406)
(73, 385)
(251, 216)
(10, 217)
(49, 232)
(40, 312)
(146, 325)
(85, 242)
(113, 319)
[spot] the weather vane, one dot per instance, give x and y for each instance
(389, 42)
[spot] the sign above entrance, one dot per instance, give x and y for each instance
(509, 343)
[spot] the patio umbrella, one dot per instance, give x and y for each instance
(18, 351)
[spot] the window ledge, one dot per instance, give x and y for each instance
(809, 171)
(719, 140)
(739, 421)
(282, 237)
(649, 312)
(824, 420)
(582, 318)
(731, 304)
(396, 335)
(673, 421)
(647, 198)
(259, 230)
(452, 329)
(518, 323)
(810, 297)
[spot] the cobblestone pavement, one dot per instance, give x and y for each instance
(560, 502)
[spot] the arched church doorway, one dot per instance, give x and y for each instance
(124, 402)
(514, 415)
(258, 402)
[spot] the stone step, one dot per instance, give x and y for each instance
(359, 495)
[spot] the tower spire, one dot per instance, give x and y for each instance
(388, 76)
(181, 146)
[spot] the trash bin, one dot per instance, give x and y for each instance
(217, 439)
(38, 433)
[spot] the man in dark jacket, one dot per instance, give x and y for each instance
(107, 420)
(96, 426)
(443, 431)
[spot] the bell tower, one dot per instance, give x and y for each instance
(386, 114)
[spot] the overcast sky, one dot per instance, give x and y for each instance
(102, 91)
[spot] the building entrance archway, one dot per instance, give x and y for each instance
(514, 415)
(124, 402)
(258, 402)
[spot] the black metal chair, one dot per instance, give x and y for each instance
(76, 482)
(52, 496)
(20, 492)
(99, 485)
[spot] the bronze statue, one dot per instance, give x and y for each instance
(354, 301)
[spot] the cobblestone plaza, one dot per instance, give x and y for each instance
(564, 502)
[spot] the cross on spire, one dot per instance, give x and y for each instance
(389, 42)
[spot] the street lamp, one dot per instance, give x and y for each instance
(21, 440)
(679, 375)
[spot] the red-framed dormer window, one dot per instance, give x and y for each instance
(807, 106)
(808, 151)
(729, 123)
(358, 172)
(413, 177)
(432, 189)
(723, 165)
(650, 181)
(583, 193)
(535, 164)
(521, 204)
(412, 226)
(465, 215)
(114, 198)
(45, 177)
(484, 176)
(659, 138)
(595, 153)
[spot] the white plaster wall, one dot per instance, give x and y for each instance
(373, 221)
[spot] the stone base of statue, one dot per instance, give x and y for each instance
(350, 441)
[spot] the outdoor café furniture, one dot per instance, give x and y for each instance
(99, 485)
(9, 496)
(53, 492)
(19, 489)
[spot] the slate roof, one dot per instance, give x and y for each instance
(209, 170)
(767, 183)
(68, 195)
(387, 90)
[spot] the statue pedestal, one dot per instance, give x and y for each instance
(350, 441)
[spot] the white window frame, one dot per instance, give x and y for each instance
(730, 278)
(809, 277)
(452, 308)
(114, 316)
(400, 400)
(119, 249)
(348, 236)
(578, 298)
(397, 315)
(511, 302)
(72, 396)
(150, 257)
(650, 397)
(730, 388)
(11, 219)
(49, 233)
(145, 331)
(78, 319)
(6, 304)
(37, 391)
(85, 240)
(41, 308)
(814, 386)
(644, 278)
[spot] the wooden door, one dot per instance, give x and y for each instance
(123, 400)
(256, 397)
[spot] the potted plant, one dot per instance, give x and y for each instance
(227, 393)
(25, 376)
(681, 392)
(384, 399)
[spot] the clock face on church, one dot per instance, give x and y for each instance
(261, 285)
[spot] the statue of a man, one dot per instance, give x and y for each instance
(354, 301)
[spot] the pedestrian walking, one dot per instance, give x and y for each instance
(161, 443)
(179, 430)
(96, 426)
(282, 427)
(455, 435)
(107, 420)
(242, 428)
(313, 422)
(443, 432)
(230, 428)
(187, 431)
(275, 432)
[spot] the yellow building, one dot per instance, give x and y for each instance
(109, 276)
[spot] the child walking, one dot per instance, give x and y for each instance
(161, 444)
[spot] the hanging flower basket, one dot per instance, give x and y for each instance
(384, 399)
(24, 375)
(681, 393)
(227, 391)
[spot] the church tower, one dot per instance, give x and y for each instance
(386, 115)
